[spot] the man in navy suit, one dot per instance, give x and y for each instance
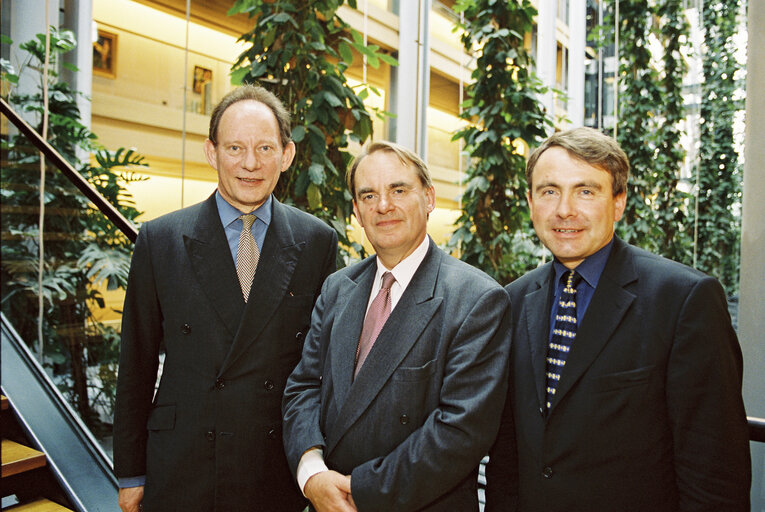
(625, 389)
(210, 438)
(404, 427)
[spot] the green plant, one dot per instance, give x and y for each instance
(650, 113)
(300, 51)
(493, 231)
(83, 250)
(719, 169)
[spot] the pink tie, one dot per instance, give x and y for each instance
(378, 313)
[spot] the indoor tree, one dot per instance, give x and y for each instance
(300, 50)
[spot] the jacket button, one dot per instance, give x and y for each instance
(186, 329)
(299, 336)
(547, 472)
(220, 384)
(268, 385)
(403, 419)
(271, 434)
(210, 436)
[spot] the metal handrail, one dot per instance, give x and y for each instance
(756, 429)
(75, 177)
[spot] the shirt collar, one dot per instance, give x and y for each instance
(404, 271)
(591, 268)
(229, 214)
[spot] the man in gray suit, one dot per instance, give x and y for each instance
(625, 389)
(210, 438)
(401, 419)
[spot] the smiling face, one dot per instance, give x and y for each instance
(249, 156)
(392, 205)
(572, 206)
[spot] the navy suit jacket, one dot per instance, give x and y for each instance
(648, 414)
(412, 427)
(211, 437)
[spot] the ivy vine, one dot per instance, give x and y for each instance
(493, 231)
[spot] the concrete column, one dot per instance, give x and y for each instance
(751, 316)
(547, 46)
(577, 17)
(78, 17)
(409, 82)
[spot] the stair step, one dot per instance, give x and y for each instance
(42, 505)
(4, 402)
(18, 458)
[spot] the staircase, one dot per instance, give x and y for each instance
(59, 459)
(27, 482)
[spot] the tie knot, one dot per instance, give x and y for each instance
(388, 280)
(572, 279)
(247, 220)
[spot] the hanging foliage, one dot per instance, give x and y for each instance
(493, 231)
(649, 127)
(671, 205)
(300, 50)
(719, 221)
(639, 98)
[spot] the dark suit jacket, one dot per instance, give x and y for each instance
(211, 437)
(648, 414)
(425, 406)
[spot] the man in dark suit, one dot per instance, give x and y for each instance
(625, 389)
(404, 427)
(210, 439)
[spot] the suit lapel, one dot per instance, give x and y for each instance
(346, 330)
(536, 308)
(403, 328)
(608, 306)
(276, 265)
(213, 266)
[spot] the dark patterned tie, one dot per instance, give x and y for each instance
(247, 256)
(564, 332)
(378, 313)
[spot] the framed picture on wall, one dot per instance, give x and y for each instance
(105, 54)
(202, 76)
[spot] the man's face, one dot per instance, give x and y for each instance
(249, 156)
(392, 206)
(572, 206)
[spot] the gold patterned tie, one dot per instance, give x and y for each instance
(247, 255)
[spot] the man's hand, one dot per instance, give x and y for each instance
(130, 498)
(329, 491)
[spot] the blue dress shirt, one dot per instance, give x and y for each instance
(590, 269)
(232, 224)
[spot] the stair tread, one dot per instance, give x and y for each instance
(18, 458)
(41, 505)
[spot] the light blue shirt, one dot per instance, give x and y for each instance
(232, 224)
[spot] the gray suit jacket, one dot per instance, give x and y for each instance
(211, 437)
(424, 409)
(648, 414)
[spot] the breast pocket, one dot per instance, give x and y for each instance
(622, 380)
(415, 373)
